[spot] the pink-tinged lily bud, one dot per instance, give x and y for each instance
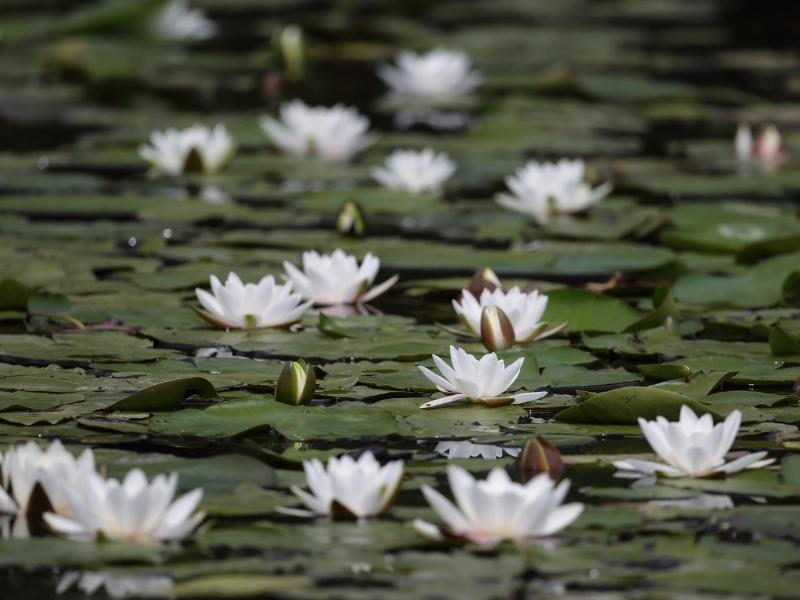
(539, 456)
(296, 383)
(769, 144)
(484, 279)
(497, 332)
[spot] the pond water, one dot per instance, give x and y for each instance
(678, 287)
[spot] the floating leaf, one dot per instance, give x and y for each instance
(168, 395)
(626, 405)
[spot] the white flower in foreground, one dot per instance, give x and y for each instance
(691, 447)
(466, 449)
(334, 133)
(176, 21)
(523, 309)
(196, 149)
(55, 469)
(440, 74)
(132, 510)
(497, 509)
(542, 190)
(481, 381)
(415, 172)
(350, 488)
(250, 305)
(337, 278)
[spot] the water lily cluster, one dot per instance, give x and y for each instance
(486, 511)
(77, 502)
(322, 280)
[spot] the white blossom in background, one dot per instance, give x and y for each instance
(196, 149)
(523, 309)
(54, 468)
(329, 279)
(482, 381)
(414, 171)
(466, 449)
(543, 190)
(488, 512)
(691, 447)
(177, 22)
(334, 133)
(350, 488)
(132, 510)
(250, 305)
(440, 74)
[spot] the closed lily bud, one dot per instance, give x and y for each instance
(497, 332)
(743, 142)
(769, 144)
(484, 279)
(296, 383)
(292, 47)
(350, 220)
(539, 456)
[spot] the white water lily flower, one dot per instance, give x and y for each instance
(132, 510)
(334, 133)
(481, 381)
(415, 172)
(497, 509)
(250, 305)
(542, 190)
(196, 149)
(176, 21)
(337, 278)
(55, 469)
(437, 75)
(523, 309)
(350, 488)
(691, 447)
(466, 449)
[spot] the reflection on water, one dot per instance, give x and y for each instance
(466, 449)
(438, 120)
(206, 192)
(147, 585)
(701, 502)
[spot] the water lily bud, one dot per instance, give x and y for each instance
(539, 456)
(350, 220)
(769, 144)
(484, 279)
(292, 47)
(743, 142)
(296, 383)
(497, 332)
